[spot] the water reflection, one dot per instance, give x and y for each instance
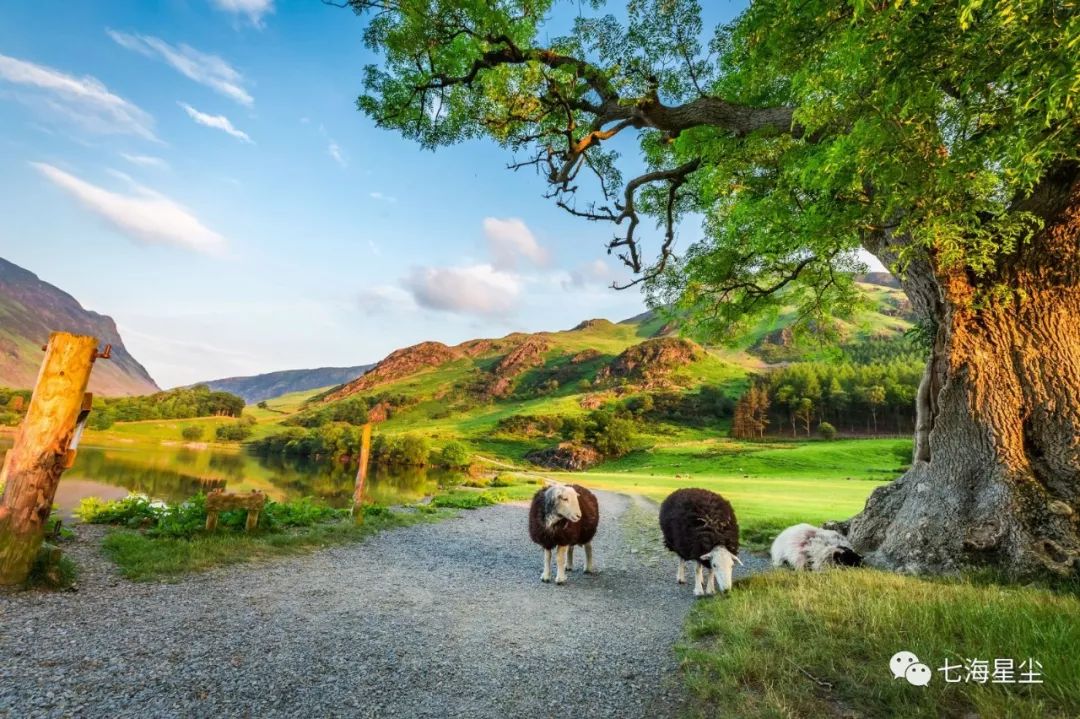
(176, 473)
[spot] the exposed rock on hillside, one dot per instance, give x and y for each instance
(652, 362)
(530, 353)
(398, 364)
(585, 356)
(565, 455)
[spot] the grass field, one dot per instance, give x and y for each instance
(818, 645)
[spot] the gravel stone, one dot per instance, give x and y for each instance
(447, 619)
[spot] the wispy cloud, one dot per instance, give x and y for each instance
(253, 10)
(381, 197)
(334, 150)
(472, 289)
(511, 239)
(82, 101)
(146, 161)
(145, 216)
(204, 68)
(218, 122)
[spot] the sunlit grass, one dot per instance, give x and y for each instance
(818, 645)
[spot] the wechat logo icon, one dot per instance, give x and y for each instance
(908, 666)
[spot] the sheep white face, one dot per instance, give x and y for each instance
(562, 504)
(722, 562)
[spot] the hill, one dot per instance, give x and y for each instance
(518, 386)
(270, 385)
(30, 309)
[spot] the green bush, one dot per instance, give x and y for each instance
(187, 519)
(503, 479)
(826, 430)
(455, 454)
(235, 432)
(192, 433)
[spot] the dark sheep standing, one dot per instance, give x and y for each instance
(700, 526)
(562, 516)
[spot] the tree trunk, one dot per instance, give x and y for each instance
(33, 465)
(995, 476)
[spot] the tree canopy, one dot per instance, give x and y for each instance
(799, 133)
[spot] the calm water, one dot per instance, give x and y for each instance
(175, 473)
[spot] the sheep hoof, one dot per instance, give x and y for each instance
(592, 571)
(544, 579)
(560, 582)
(680, 581)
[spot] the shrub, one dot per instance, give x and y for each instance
(187, 519)
(612, 436)
(455, 454)
(235, 432)
(192, 432)
(503, 480)
(826, 430)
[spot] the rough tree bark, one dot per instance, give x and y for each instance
(995, 477)
(32, 467)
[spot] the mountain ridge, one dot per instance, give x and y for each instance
(269, 385)
(31, 309)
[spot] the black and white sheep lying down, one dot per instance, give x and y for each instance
(562, 516)
(805, 546)
(700, 526)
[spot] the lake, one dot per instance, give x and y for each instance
(174, 473)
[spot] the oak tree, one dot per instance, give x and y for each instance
(940, 137)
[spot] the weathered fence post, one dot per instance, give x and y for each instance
(361, 473)
(43, 449)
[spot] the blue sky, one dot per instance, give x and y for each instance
(197, 170)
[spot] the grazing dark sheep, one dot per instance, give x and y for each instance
(804, 546)
(700, 526)
(561, 516)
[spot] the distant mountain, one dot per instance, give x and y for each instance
(258, 387)
(31, 309)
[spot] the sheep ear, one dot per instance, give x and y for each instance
(706, 556)
(548, 482)
(736, 558)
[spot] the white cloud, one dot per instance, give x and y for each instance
(204, 68)
(381, 197)
(146, 161)
(83, 101)
(592, 273)
(474, 289)
(218, 122)
(379, 299)
(334, 150)
(511, 239)
(146, 217)
(252, 9)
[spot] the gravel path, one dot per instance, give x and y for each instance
(437, 620)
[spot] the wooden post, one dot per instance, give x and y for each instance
(361, 473)
(39, 456)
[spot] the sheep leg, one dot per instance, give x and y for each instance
(546, 575)
(560, 565)
(710, 584)
(680, 574)
(590, 567)
(570, 558)
(699, 591)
